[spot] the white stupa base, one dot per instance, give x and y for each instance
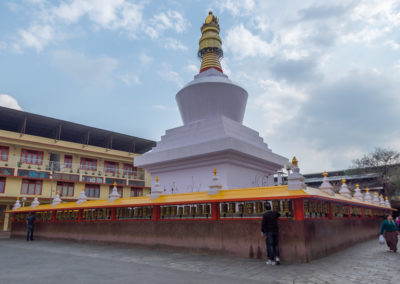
(186, 156)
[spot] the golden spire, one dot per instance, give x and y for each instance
(325, 174)
(294, 162)
(210, 44)
(386, 198)
(367, 189)
(357, 185)
(115, 183)
(343, 181)
(157, 179)
(215, 171)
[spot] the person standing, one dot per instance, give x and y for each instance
(31, 225)
(389, 229)
(270, 229)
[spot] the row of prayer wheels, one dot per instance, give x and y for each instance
(134, 212)
(97, 214)
(255, 208)
(199, 210)
(313, 208)
(67, 215)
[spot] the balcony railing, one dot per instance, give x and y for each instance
(74, 168)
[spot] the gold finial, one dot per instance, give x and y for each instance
(210, 44)
(35, 195)
(115, 183)
(325, 174)
(367, 189)
(215, 171)
(381, 196)
(375, 193)
(357, 185)
(343, 181)
(386, 198)
(294, 162)
(157, 179)
(57, 192)
(17, 197)
(83, 188)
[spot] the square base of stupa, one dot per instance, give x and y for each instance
(185, 157)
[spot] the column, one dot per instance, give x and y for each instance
(6, 219)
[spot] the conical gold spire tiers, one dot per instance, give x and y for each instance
(210, 44)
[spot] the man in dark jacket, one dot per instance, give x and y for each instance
(31, 225)
(270, 229)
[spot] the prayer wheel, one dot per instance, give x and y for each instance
(193, 211)
(180, 211)
(186, 211)
(199, 210)
(249, 208)
(232, 207)
(241, 208)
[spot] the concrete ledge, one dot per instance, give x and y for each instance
(300, 241)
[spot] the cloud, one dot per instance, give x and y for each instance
(169, 20)
(174, 44)
(9, 101)
(36, 36)
(236, 7)
(159, 107)
(145, 59)
(298, 71)
(168, 74)
(95, 71)
(130, 79)
(242, 43)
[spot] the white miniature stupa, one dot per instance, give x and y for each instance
(367, 195)
(17, 204)
(212, 136)
(156, 189)
(375, 199)
(357, 193)
(387, 202)
(215, 186)
(82, 196)
(382, 200)
(295, 179)
(326, 186)
(114, 195)
(57, 200)
(344, 190)
(35, 202)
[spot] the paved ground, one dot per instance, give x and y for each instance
(45, 261)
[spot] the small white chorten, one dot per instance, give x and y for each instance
(375, 200)
(215, 186)
(387, 202)
(367, 195)
(17, 204)
(295, 179)
(156, 190)
(114, 195)
(82, 197)
(57, 200)
(35, 202)
(358, 193)
(344, 190)
(326, 186)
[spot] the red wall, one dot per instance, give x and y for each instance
(300, 241)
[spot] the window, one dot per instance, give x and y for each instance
(2, 184)
(88, 164)
(65, 188)
(119, 189)
(110, 167)
(136, 192)
(68, 161)
(31, 187)
(129, 170)
(92, 190)
(31, 157)
(4, 153)
(92, 179)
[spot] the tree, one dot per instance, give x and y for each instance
(381, 161)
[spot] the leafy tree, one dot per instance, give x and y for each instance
(381, 161)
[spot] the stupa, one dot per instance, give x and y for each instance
(213, 136)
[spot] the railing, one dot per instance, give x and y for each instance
(296, 209)
(75, 168)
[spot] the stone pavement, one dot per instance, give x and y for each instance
(55, 261)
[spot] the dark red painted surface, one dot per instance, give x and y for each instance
(300, 241)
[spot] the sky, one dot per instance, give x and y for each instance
(322, 76)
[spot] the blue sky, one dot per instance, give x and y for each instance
(322, 76)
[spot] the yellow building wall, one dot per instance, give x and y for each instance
(17, 142)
